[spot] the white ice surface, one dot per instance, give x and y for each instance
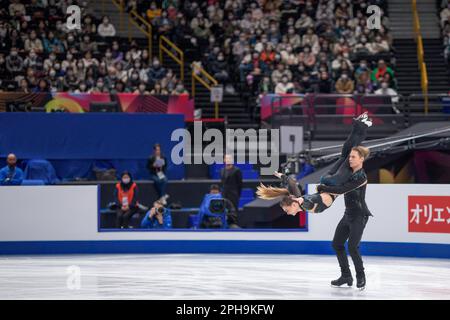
(208, 276)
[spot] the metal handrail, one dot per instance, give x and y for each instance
(120, 4)
(131, 18)
(420, 53)
(179, 60)
(196, 68)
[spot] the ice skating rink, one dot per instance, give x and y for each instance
(215, 276)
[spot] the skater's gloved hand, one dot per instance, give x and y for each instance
(320, 188)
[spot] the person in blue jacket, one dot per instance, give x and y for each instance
(157, 217)
(11, 175)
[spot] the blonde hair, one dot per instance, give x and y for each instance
(270, 193)
(362, 151)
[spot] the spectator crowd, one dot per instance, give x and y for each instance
(280, 46)
(251, 46)
(444, 15)
(38, 53)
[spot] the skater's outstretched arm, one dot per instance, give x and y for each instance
(290, 183)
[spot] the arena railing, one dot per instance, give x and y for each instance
(199, 74)
(170, 52)
(133, 17)
(330, 115)
(438, 108)
(165, 45)
(420, 54)
(291, 110)
(120, 4)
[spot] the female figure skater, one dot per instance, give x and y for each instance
(292, 200)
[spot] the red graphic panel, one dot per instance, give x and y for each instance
(429, 214)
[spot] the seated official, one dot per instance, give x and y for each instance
(126, 196)
(11, 175)
(223, 218)
(157, 217)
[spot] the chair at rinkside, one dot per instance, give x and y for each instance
(38, 169)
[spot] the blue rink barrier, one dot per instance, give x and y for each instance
(395, 249)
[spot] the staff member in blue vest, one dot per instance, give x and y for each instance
(11, 175)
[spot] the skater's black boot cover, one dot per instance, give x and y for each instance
(361, 281)
(343, 279)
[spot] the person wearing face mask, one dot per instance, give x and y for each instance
(378, 73)
(379, 45)
(100, 86)
(50, 61)
(58, 70)
(285, 86)
(163, 24)
(279, 72)
(34, 43)
(14, 62)
(153, 12)
(33, 61)
(219, 69)
(116, 53)
(362, 68)
(69, 62)
(156, 72)
(106, 29)
(179, 90)
(52, 44)
(82, 88)
(386, 91)
(310, 39)
(345, 84)
(126, 194)
(303, 23)
(70, 80)
(88, 45)
(11, 175)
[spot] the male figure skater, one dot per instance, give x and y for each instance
(352, 224)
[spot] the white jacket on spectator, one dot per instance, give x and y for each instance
(388, 92)
(283, 88)
(444, 15)
(106, 31)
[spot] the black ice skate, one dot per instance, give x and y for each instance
(341, 281)
(361, 282)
